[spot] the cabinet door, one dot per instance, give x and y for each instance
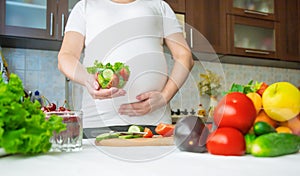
(64, 9)
(206, 19)
(177, 5)
(290, 30)
(29, 18)
(252, 37)
(264, 9)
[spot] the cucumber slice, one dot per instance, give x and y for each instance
(129, 136)
(108, 74)
(101, 79)
(135, 129)
(137, 136)
(107, 136)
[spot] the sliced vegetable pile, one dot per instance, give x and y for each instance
(258, 119)
(110, 75)
(23, 127)
(136, 131)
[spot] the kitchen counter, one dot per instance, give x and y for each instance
(166, 160)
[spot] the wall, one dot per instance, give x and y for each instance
(38, 70)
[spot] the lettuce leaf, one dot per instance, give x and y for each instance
(24, 128)
(99, 66)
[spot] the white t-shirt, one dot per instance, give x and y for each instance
(132, 33)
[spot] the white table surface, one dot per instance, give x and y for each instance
(148, 161)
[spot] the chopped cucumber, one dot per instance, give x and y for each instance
(135, 129)
(129, 136)
(108, 74)
(101, 79)
(137, 135)
(107, 136)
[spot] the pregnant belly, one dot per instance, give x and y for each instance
(148, 72)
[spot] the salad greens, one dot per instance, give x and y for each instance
(99, 66)
(110, 75)
(24, 128)
(250, 87)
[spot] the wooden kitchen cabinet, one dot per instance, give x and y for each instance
(252, 37)
(290, 30)
(37, 19)
(177, 5)
(206, 20)
(262, 9)
(205, 23)
(253, 28)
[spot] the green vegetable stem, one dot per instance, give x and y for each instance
(24, 128)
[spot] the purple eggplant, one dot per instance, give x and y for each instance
(190, 134)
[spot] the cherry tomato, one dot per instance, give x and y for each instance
(226, 141)
(235, 110)
(262, 88)
(148, 134)
(165, 130)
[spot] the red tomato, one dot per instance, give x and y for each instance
(165, 130)
(262, 88)
(226, 141)
(124, 72)
(235, 110)
(148, 134)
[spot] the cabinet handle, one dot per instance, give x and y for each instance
(255, 13)
(51, 24)
(257, 52)
(191, 38)
(62, 24)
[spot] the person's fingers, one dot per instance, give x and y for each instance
(133, 106)
(96, 85)
(106, 93)
(119, 93)
(148, 102)
(136, 113)
(133, 109)
(144, 96)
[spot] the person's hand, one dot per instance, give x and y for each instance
(96, 92)
(148, 102)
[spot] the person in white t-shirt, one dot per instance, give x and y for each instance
(133, 32)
